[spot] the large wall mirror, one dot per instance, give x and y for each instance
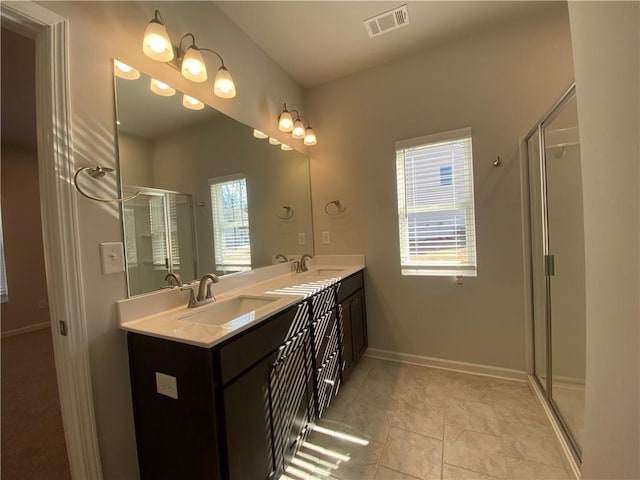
(211, 196)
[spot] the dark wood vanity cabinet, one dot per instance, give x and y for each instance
(239, 410)
(354, 319)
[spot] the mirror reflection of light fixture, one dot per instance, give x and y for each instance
(126, 72)
(156, 43)
(259, 134)
(190, 62)
(274, 141)
(285, 120)
(191, 103)
(161, 88)
(285, 147)
(295, 125)
(310, 137)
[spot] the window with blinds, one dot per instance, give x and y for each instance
(164, 231)
(230, 223)
(435, 204)
(130, 236)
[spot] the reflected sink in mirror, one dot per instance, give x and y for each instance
(239, 311)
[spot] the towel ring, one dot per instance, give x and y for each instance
(288, 213)
(339, 208)
(98, 172)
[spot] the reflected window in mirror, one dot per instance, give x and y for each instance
(230, 215)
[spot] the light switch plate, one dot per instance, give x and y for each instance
(167, 385)
(111, 257)
(326, 239)
(302, 239)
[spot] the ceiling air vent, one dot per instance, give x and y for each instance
(387, 21)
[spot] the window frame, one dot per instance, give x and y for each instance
(221, 263)
(433, 267)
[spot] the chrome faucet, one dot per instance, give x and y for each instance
(302, 266)
(173, 280)
(205, 291)
(282, 257)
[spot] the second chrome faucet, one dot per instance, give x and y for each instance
(205, 291)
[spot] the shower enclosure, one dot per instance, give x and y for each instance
(552, 158)
(159, 234)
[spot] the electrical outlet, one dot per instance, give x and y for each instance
(111, 257)
(167, 385)
(326, 239)
(302, 239)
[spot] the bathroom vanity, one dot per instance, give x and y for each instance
(235, 400)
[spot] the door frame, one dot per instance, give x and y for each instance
(60, 230)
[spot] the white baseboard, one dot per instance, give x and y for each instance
(20, 331)
(453, 365)
(570, 461)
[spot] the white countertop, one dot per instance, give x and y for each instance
(160, 314)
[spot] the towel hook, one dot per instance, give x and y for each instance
(497, 162)
(98, 172)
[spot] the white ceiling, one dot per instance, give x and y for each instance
(320, 41)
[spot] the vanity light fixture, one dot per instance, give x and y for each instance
(259, 134)
(298, 129)
(124, 71)
(274, 141)
(190, 61)
(161, 88)
(310, 137)
(285, 120)
(193, 67)
(295, 125)
(191, 103)
(156, 43)
(285, 147)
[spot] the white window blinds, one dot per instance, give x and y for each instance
(230, 223)
(162, 212)
(130, 236)
(435, 204)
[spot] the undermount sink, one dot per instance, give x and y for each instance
(324, 272)
(240, 309)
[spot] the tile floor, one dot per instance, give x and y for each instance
(401, 422)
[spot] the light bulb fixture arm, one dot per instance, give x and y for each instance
(216, 54)
(157, 17)
(180, 52)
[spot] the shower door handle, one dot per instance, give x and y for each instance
(549, 265)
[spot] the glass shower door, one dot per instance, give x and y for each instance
(558, 300)
(567, 284)
(538, 248)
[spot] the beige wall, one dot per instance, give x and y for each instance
(606, 37)
(99, 32)
(499, 83)
(135, 155)
(22, 231)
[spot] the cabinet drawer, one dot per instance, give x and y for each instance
(252, 346)
(323, 302)
(350, 285)
(325, 336)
